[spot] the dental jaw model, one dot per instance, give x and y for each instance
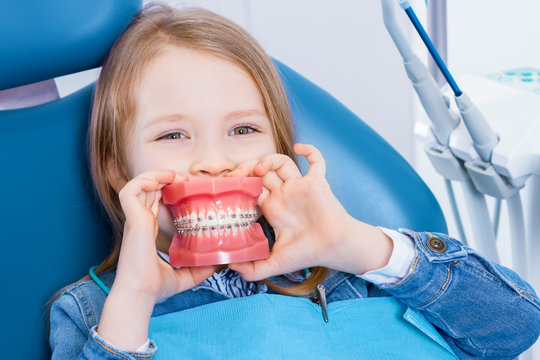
(216, 221)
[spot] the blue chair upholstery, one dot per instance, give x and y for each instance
(53, 228)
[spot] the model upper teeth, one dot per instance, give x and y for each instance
(222, 221)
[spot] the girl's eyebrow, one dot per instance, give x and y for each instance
(244, 113)
(165, 118)
(231, 116)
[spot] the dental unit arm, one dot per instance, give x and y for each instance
(473, 168)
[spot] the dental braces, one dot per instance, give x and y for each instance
(239, 220)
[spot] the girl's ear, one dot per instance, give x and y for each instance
(115, 179)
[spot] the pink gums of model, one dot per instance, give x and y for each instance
(216, 221)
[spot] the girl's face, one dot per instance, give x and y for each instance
(199, 115)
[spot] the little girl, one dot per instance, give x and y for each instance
(186, 95)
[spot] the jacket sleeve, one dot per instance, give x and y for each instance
(481, 308)
(73, 333)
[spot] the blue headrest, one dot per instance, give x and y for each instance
(41, 40)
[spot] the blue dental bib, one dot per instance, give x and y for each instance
(267, 326)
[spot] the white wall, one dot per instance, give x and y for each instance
(492, 35)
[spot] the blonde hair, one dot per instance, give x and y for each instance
(113, 109)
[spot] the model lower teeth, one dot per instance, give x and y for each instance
(221, 221)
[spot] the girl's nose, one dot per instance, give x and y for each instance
(212, 166)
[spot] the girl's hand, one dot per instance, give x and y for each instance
(140, 270)
(312, 228)
(142, 278)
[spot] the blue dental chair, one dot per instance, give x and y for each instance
(53, 228)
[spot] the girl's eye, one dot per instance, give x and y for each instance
(172, 136)
(242, 130)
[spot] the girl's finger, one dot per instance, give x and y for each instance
(147, 193)
(243, 169)
(155, 205)
(177, 179)
(189, 277)
(137, 188)
(272, 181)
(262, 197)
(163, 177)
(150, 198)
(257, 270)
(282, 165)
(152, 181)
(317, 164)
(143, 187)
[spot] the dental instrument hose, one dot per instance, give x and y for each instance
(484, 139)
(431, 48)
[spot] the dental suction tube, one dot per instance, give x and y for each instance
(484, 138)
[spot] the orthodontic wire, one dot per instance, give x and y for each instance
(431, 48)
(248, 219)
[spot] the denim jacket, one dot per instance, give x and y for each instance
(482, 309)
